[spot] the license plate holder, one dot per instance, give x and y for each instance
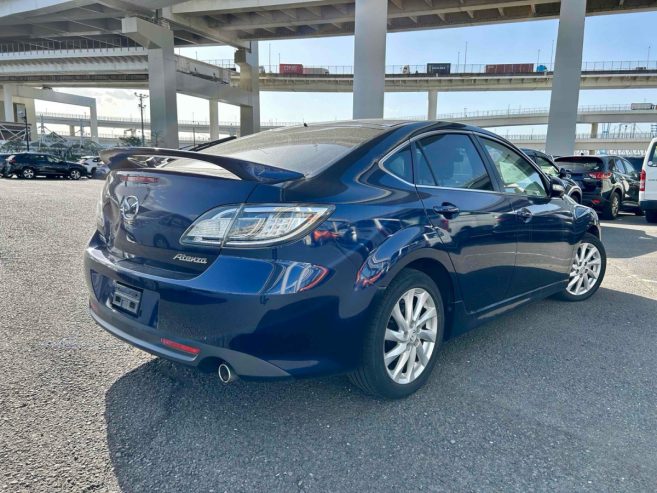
(126, 298)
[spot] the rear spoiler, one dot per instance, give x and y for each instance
(120, 158)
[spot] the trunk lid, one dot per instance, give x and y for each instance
(580, 167)
(145, 210)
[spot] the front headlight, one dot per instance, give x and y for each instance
(254, 225)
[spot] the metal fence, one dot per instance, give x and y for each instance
(69, 45)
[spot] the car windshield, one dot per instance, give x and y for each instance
(581, 163)
(307, 150)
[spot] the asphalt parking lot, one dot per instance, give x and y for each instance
(556, 396)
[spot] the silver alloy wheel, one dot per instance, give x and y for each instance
(410, 336)
(75, 174)
(615, 204)
(28, 173)
(585, 270)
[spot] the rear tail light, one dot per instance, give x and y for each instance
(254, 225)
(642, 183)
(600, 175)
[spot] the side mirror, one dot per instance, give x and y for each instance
(557, 188)
(564, 173)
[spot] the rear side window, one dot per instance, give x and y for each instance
(452, 161)
(400, 164)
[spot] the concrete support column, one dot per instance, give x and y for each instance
(562, 122)
(93, 122)
(594, 134)
(594, 130)
(9, 90)
(433, 104)
(161, 78)
(247, 59)
(370, 58)
(71, 130)
(214, 119)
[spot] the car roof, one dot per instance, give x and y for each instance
(418, 125)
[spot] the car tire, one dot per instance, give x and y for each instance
(74, 174)
(612, 207)
(651, 217)
(374, 376)
(581, 268)
(27, 173)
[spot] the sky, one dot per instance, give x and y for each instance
(619, 37)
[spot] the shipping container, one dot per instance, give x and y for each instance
(510, 68)
(290, 68)
(439, 68)
(642, 106)
(315, 71)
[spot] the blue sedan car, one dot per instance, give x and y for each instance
(347, 247)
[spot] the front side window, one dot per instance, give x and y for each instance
(546, 166)
(451, 160)
(518, 175)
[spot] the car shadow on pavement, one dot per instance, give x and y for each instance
(514, 405)
(629, 242)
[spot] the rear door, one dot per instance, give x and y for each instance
(545, 225)
(55, 166)
(473, 217)
(632, 177)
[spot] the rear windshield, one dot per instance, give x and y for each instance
(581, 163)
(306, 150)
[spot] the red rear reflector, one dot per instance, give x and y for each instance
(180, 347)
(139, 179)
(596, 201)
(600, 175)
(642, 183)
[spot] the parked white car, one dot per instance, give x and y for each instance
(90, 163)
(648, 185)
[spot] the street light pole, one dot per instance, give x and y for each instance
(27, 133)
(142, 106)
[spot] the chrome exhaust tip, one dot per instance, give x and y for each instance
(226, 375)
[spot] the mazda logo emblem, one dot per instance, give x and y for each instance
(129, 207)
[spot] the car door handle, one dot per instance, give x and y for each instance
(524, 214)
(446, 209)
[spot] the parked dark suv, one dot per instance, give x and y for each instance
(28, 165)
(609, 183)
(548, 166)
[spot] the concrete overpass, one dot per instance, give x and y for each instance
(161, 25)
(127, 67)
(636, 143)
(593, 115)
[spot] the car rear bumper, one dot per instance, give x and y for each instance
(247, 312)
(150, 340)
(648, 205)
